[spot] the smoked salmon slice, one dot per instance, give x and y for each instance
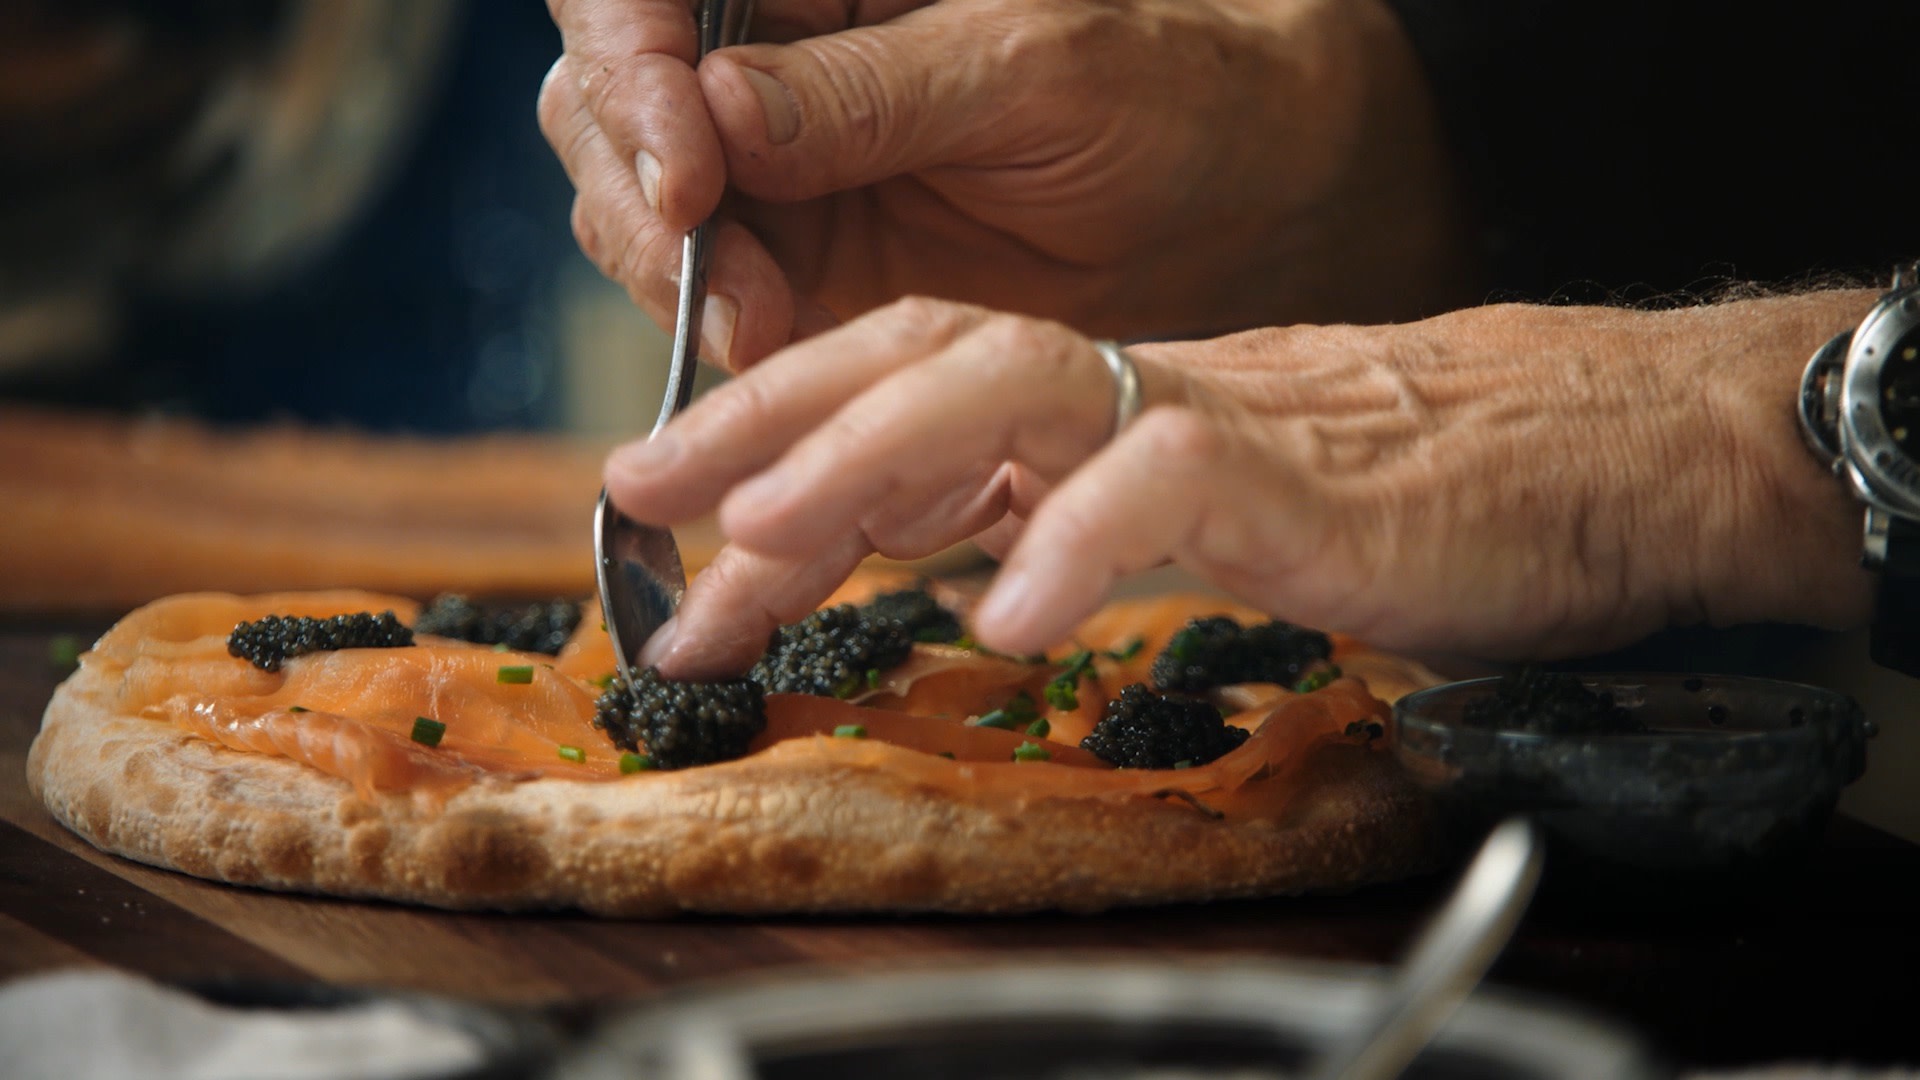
(352, 713)
(370, 758)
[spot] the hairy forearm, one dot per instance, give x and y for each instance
(1591, 474)
(1780, 539)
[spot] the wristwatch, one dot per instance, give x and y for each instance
(1860, 412)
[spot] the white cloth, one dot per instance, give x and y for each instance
(82, 1025)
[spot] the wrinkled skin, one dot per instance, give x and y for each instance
(1508, 481)
(1503, 482)
(1133, 168)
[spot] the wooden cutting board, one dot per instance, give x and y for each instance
(1823, 970)
(104, 513)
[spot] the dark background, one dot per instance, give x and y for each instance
(433, 311)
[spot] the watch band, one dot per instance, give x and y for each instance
(1895, 639)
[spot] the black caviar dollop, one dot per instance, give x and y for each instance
(829, 652)
(917, 611)
(1218, 651)
(1544, 703)
(537, 628)
(269, 642)
(682, 724)
(1144, 730)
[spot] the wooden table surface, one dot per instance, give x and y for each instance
(1827, 968)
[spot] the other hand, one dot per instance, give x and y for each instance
(1504, 482)
(1145, 167)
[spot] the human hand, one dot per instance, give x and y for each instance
(1138, 168)
(1502, 482)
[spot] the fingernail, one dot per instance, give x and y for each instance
(646, 458)
(648, 167)
(660, 644)
(783, 120)
(716, 328)
(1006, 601)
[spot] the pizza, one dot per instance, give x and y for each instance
(354, 744)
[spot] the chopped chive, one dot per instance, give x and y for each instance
(1019, 710)
(514, 673)
(1128, 651)
(1040, 727)
(500, 646)
(574, 754)
(1313, 682)
(603, 681)
(1062, 696)
(873, 678)
(1027, 751)
(633, 763)
(1061, 692)
(296, 708)
(1182, 645)
(966, 641)
(427, 731)
(850, 731)
(64, 650)
(1183, 764)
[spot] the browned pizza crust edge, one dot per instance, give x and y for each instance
(765, 834)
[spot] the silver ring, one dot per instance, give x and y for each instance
(1126, 385)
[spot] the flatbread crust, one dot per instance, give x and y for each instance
(775, 832)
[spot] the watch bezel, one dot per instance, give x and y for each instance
(1886, 474)
(1820, 399)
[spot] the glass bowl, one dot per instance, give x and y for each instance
(1733, 777)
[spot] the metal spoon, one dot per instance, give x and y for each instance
(1449, 958)
(638, 566)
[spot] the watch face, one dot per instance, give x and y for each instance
(1899, 392)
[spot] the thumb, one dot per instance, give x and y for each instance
(845, 110)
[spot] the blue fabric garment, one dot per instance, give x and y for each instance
(434, 311)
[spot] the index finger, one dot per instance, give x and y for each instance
(634, 61)
(616, 28)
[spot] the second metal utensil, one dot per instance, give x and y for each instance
(638, 566)
(1448, 960)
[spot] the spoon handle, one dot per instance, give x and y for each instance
(722, 23)
(1448, 960)
(686, 325)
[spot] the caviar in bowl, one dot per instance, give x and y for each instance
(1644, 783)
